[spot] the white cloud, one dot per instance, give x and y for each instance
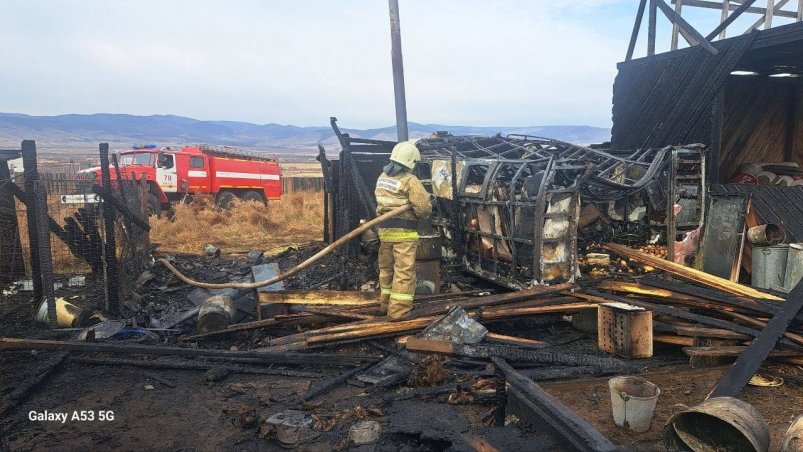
(468, 62)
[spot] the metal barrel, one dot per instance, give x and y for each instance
(793, 439)
(719, 423)
(794, 266)
(766, 235)
(429, 248)
(216, 313)
(769, 266)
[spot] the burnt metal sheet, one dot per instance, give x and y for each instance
(264, 272)
(723, 235)
(773, 204)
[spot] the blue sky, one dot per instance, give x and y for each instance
(502, 62)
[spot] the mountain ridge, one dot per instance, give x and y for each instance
(84, 129)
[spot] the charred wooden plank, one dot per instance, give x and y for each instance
(512, 340)
(122, 208)
(193, 364)
(678, 313)
(689, 273)
(734, 351)
(535, 405)
(333, 382)
(748, 362)
(745, 303)
(37, 376)
(7, 343)
(511, 353)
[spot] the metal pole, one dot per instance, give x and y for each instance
(398, 71)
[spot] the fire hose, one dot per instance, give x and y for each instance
(320, 254)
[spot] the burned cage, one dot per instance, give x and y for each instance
(513, 209)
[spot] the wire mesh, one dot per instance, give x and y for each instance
(77, 236)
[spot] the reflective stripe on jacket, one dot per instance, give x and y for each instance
(394, 191)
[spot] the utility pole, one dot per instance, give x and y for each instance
(398, 71)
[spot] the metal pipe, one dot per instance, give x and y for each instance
(398, 71)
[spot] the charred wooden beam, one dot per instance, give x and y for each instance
(509, 352)
(676, 19)
(7, 343)
(534, 404)
(122, 208)
(746, 4)
(689, 273)
(723, 351)
(334, 382)
(674, 312)
(194, 365)
(748, 362)
(17, 395)
(636, 27)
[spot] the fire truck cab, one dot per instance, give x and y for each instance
(225, 172)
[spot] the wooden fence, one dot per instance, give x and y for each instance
(294, 184)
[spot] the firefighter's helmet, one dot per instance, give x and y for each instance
(406, 154)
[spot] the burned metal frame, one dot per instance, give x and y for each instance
(508, 206)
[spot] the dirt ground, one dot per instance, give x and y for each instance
(591, 399)
(158, 409)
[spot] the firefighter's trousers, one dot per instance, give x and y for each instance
(397, 277)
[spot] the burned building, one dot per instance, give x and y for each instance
(695, 129)
(509, 208)
(740, 96)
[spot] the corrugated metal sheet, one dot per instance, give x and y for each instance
(780, 205)
(661, 101)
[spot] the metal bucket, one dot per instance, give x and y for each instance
(633, 402)
(719, 423)
(793, 440)
(429, 248)
(769, 266)
(766, 234)
(794, 267)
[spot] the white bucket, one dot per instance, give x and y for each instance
(633, 402)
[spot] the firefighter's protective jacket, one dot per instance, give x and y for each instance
(394, 191)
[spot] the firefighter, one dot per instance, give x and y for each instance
(397, 186)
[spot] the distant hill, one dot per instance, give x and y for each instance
(78, 131)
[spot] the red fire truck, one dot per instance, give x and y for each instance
(225, 172)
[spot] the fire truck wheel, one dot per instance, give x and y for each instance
(253, 195)
(154, 206)
(225, 199)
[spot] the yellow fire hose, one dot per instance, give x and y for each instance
(320, 254)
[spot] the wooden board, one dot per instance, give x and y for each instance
(689, 273)
(320, 297)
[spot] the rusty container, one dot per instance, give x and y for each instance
(793, 440)
(624, 330)
(766, 235)
(429, 248)
(428, 264)
(216, 313)
(719, 423)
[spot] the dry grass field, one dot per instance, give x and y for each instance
(295, 219)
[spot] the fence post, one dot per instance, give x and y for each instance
(110, 248)
(11, 263)
(45, 254)
(31, 175)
